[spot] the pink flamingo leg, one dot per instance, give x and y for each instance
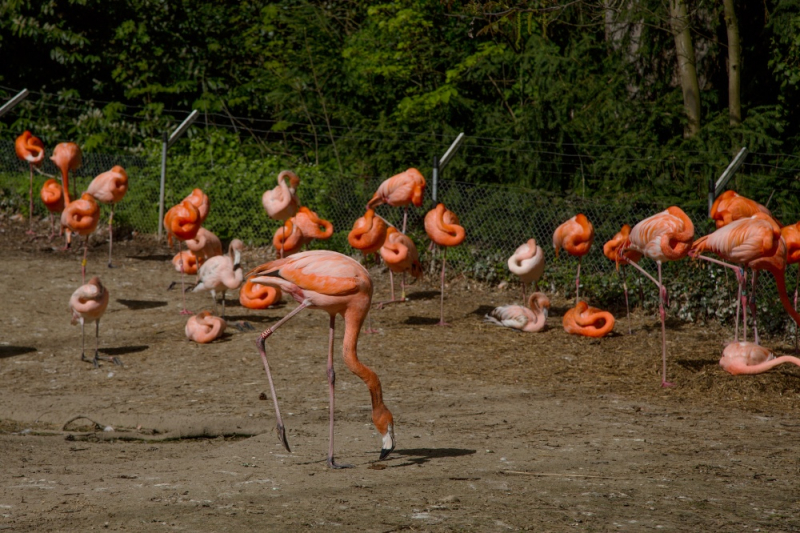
(405, 218)
(627, 307)
(185, 311)
(110, 236)
(380, 305)
(741, 278)
(441, 305)
(30, 207)
(331, 384)
(83, 263)
(662, 293)
(578, 282)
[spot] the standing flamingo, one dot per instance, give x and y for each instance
(186, 262)
(182, 222)
(52, 196)
(443, 228)
(588, 321)
(221, 273)
(30, 149)
(368, 235)
(791, 236)
(88, 303)
(730, 206)
(200, 200)
(400, 255)
(400, 190)
(256, 296)
(311, 225)
(204, 327)
(82, 216)
(610, 250)
(281, 203)
(741, 358)
(109, 188)
(665, 236)
(529, 319)
(204, 245)
(67, 156)
(339, 285)
(288, 239)
(527, 262)
(575, 236)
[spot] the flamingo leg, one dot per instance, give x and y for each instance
(627, 307)
(578, 282)
(110, 236)
(52, 227)
(753, 308)
(83, 343)
(185, 311)
(331, 386)
(261, 350)
(405, 218)
(441, 304)
(30, 207)
(662, 293)
(223, 304)
(736, 328)
(83, 263)
(743, 303)
(380, 305)
(524, 296)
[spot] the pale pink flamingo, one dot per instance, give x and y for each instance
(182, 222)
(442, 226)
(281, 202)
(337, 284)
(221, 273)
(109, 188)
(588, 321)
(529, 319)
(527, 262)
(52, 196)
(204, 327)
(741, 358)
(400, 190)
(87, 304)
(611, 250)
(204, 245)
(30, 149)
(576, 236)
(82, 216)
(400, 255)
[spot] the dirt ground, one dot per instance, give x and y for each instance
(496, 430)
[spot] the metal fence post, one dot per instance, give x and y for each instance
(435, 177)
(11, 104)
(163, 181)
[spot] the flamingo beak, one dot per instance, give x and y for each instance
(388, 443)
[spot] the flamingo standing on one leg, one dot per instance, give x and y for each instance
(730, 206)
(186, 262)
(288, 239)
(665, 236)
(204, 327)
(368, 235)
(82, 216)
(588, 321)
(88, 303)
(740, 358)
(400, 190)
(575, 236)
(31, 149)
(610, 250)
(52, 196)
(221, 273)
(67, 156)
(400, 255)
(255, 296)
(443, 228)
(339, 285)
(527, 262)
(281, 203)
(182, 222)
(200, 200)
(109, 188)
(529, 319)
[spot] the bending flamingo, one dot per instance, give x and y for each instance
(82, 216)
(610, 250)
(588, 321)
(88, 303)
(527, 262)
(281, 202)
(741, 358)
(311, 225)
(665, 236)
(400, 190)
(52, 196)
(529, 319)
(400, 255)
(30, 149)
(575, 236)
(221, 273)
(109, 188)
(339, 285)
(288, 239)
(204, 327)
(443, 228)
(730, 206)
(182, 222)
(256, 296)
(67, 156)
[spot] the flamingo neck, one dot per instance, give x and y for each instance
(780, 281)
(762, 367)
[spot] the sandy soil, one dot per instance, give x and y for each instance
(496, 430)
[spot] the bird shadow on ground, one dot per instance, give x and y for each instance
(422, 295)
(138, 305)
(671, 323)
(482, 310)
(696, 365)
(12, 351)
(150, 257)
(421, 321)
(122, 350)
(420, 456)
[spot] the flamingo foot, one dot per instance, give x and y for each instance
(30, 232)
(443, 323)
(666, 384)
(336, 466)
(379, 305)
(282, 437)
(370, 331)
(110, 265)
(185, 311)
(93, 361)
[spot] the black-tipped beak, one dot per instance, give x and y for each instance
(385, 452)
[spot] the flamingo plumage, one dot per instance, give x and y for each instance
(109, 188)
(52, 196)
(281, 203)
(530, 319)
(588, 321)
(527, 262)
(30, 149)
(443, 228)
(399, 191)
(576, 236)
(204, 327)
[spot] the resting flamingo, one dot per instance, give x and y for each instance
(529, 319)
(256, 296)
(204, 245)
(742, 358)
(31, 149)
(730, 206)
(87, 304)
(400, 190)
(791, 236)
(281, 202)
(665, 236)
(52, 196)
(311, 225)
(204, 327)
(588, 321)
(221, 273)
(527, 262)
(200, 200)
(442, 226)
(575, 236)
(288, 239)
(185, 261)
(82, 216)
(67, 157)
(109, 188)
(182, 222)
(400, 255)
(610, 250)
(339, 285)
(368, 235)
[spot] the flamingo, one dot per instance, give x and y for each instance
(221, 273)
(529, 319)
(400, 190)
(665, 236)
(182, 222)
(443, 228)
(311, 225)
(339, 285)
(281, 202)
(204, 245)
(610, 250)
(588, 321)
(67, 156)
(109, 188)
(82, 216)
(185, 261)
(255, 296)
(575, 236)
(88, 303)
(730, 206)
(791, 236)
(204, 327)
(400, 255)
(740, 358)
(31, 149)
(200, 200)
(368, 235)
(52, 196)
(527, 262)
(288, 239)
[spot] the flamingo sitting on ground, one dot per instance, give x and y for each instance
(575, 236)
(588, 321)
(529, 319)
(186, 262)
(182, 222)
(730, 206)
(281, 203)
(400, 190)
(82, 216)
(527, 262)
(88, 303)
(204, 327)
(204, 245)
(339, 285)
(610, 250)
(30, 149)
(442, 226)
(400, 255)
(53, 198)
(256, 296)
(311, 225)
(67, 156)
(288, 239)
(221, 273)
(740, 358)
(109, 188)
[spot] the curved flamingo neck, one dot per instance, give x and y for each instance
(780, 281)
(741, 369)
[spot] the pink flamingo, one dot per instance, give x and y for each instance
(529, 319)
(88, 303)
(52, 196)
(109, 188)
(200, 200)
(339, 285)
(255, 296)
(730, 206)
(281, 202)
(311, 225)
(442, 226)
(611, 250)
(185, 262)
(527, 262)
(221, 273)
(182, 222)
(368, 235)
(31, 149)
(82, 216)
(204, 245)
(400, 190)
(204, 327)
(739, 358)
(288, 239)
(67, 156)
(588, 321)
(576, 236)
(400, 255)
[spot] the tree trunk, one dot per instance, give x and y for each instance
(679, 21)
(734, 64)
